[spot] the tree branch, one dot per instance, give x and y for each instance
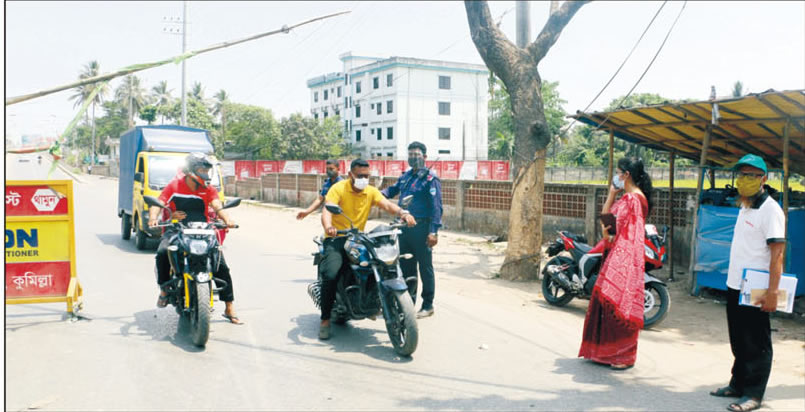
(497, 51)
(553, 28)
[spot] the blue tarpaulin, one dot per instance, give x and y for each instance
(714, 236)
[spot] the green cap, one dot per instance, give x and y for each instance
(752, 160)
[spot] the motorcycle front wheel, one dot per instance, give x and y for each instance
(200, 314)
(656, 303)
(401, 322)
(551, 290)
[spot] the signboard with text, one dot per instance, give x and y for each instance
(39, 243)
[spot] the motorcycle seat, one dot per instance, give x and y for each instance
(583, 247)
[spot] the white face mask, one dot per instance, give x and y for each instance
(361, 184)
(617, 182)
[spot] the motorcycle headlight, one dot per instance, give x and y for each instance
(387, 253)
(198, 247)
(202, 277)
(649, 253)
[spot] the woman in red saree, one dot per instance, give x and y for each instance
(615, 314)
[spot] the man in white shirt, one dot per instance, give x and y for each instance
(758, 243)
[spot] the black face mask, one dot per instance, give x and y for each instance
(332, 174)
(416, 162)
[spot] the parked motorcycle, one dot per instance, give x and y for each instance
(375, 282)
(565, 278)
(194, 256)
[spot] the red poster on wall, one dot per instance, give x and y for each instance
(435, 166)
(484, 170)
(450, 169)
(313, 167)
(395, 168)
(264, 167)
(343, 166)
(377, 167)
(500, 170)
(244, 169)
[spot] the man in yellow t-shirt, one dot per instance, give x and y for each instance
(356, 198)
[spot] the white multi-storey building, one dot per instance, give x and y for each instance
(385, 104)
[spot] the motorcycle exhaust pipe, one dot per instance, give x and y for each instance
(560, 278)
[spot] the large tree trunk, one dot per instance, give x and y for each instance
(517, 68)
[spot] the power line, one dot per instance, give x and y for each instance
(619, 68)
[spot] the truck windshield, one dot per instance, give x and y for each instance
(162, 169)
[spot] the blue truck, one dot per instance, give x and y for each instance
(150, 157)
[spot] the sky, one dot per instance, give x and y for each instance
(761, 44)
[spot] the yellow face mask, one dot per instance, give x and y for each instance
(748, 186)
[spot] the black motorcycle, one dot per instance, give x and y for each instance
(375, 282)
(565, 278)
(194, 256)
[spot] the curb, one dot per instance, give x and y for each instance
(257, 203)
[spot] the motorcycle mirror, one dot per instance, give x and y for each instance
(406, 201)
(334, 209)
(231, 203)
(152, 201)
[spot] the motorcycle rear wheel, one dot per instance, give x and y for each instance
(551, 290)
(200, 314)
(401, 322)
(656, 304)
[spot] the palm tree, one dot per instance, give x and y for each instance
(197, 92)
(161, 97)
(219, 108)
(90, 69)
(132, 95)
(738, 89)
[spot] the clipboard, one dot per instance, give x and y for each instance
(755, 282)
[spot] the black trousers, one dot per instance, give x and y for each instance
(750, 339)
(226, 294)
(414, 240)
(334, 262)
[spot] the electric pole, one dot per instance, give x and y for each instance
(523, 15)
(183, 32)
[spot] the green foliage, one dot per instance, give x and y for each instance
(309, 138)
(501, 121)
(197, 114)
(251, 129)
(148, 113)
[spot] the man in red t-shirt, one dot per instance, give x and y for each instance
(188, 196)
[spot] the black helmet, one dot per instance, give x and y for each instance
(194, 162)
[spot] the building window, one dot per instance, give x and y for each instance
(444, 82)
(443, 151)
(346, 103)
(316, 116)
(325, 94)
(379, 107)
(390, 106)
(390, 155)
(325, 115)
(379, 133)
(315, 97)
(444, 108)
(350, 102)
(338, 113)
(389, 80)
(358, 111)
(357, 87)
(444, 133)
(338, 91)
(357, 135)
(379, 155)
(376, 83)
(389, 133)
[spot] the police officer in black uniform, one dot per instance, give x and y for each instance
(426, 207)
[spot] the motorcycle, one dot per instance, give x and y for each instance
(565, 278)
(375, 282)
(194, 256)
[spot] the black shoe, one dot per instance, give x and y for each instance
(424, 313)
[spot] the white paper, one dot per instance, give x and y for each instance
(758, 279)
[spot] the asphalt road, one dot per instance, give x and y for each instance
(487, 347)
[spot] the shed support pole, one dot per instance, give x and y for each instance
(669, 241)
(699, 183)
(786, 147)
(611, 156)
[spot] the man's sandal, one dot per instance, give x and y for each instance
(233, 319)
(726, 392)
(162, 301)
(744, 404)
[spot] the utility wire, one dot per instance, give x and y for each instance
(619, 68)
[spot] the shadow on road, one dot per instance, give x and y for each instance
(126, 245)
(161, 325)
(346, 338)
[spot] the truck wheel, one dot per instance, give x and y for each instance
(140, 238)
(125, 226)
